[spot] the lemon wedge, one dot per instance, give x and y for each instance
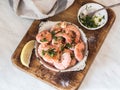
(27, 52)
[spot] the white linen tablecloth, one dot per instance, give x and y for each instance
(104, 73)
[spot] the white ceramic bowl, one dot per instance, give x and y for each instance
(90, 7)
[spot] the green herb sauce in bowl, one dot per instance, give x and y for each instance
(92, 23)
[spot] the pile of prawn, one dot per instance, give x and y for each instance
(61, 46)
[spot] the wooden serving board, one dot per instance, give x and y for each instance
(68, 80)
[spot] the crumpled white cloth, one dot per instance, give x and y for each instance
(39, 9)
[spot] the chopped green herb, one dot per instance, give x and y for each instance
(53, 33)
(55, 38)
(95, 16)
(88, 7)
(100, 19)
(88, 21)
(59, 24)
(44, 40)
(60, 38)
(51, 52)
(103, 17)
(68, 45)
(73, 40)
(43, 52)
(62, 48)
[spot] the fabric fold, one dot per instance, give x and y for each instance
(39, 9)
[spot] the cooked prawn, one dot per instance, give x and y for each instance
(71, 34)
(43, 48)
(65, 61)
(50, 59)
(78, 51)
(73, 62)
(56, 28)
(57, 42)
(75, 30)
(64, 35)
(44, 37)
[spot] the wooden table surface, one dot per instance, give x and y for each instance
(104, 73)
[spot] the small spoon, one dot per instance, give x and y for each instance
(106, 7)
